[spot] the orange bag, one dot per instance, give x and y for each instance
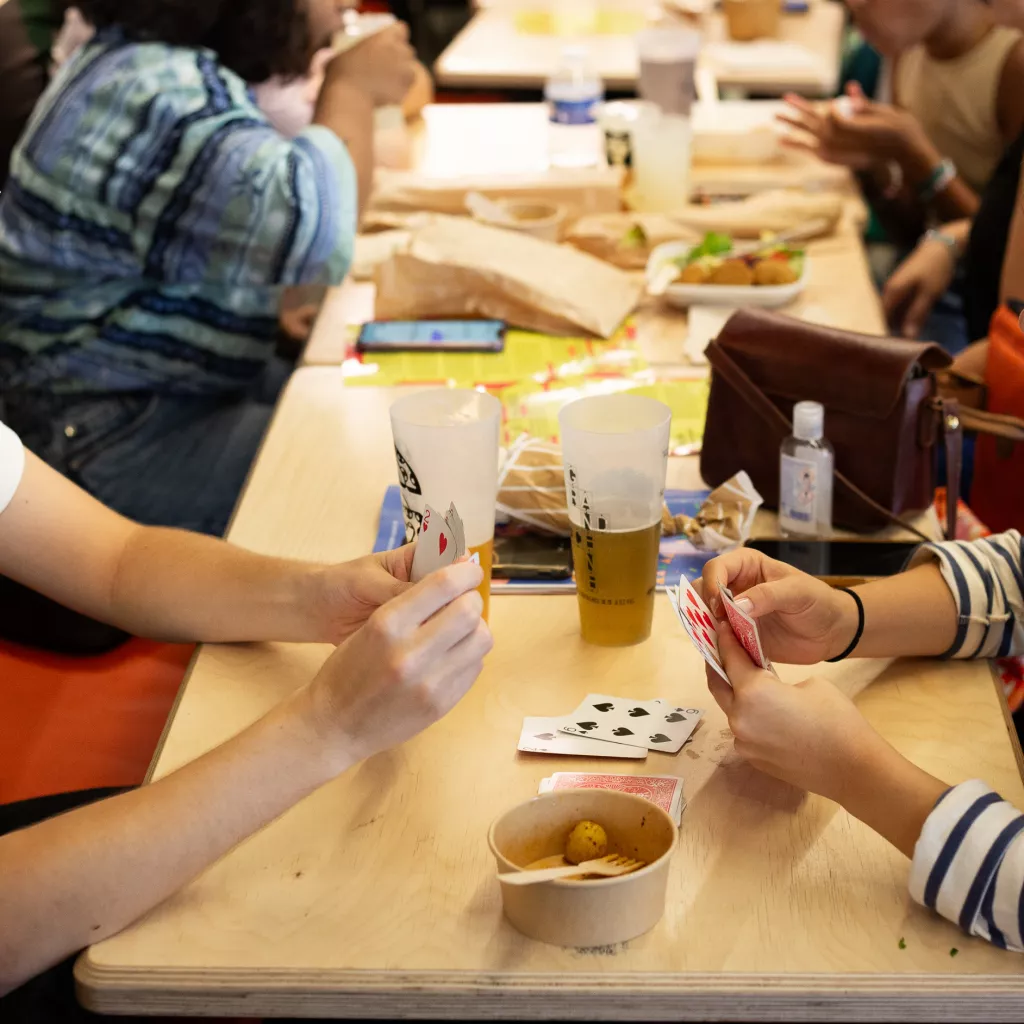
(997, 494)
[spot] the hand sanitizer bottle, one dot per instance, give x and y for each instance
(805, 478)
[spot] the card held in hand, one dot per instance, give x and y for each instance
(746, 630)
(698, 623)
(436, 546)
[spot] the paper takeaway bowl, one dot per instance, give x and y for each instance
(531, 217)
(598, 912)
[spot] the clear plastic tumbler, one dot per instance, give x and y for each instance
(446, 444)
(615, 452)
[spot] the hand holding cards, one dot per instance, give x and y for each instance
(441, 542)
(702, 629)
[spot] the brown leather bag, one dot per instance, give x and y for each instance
(883, 414)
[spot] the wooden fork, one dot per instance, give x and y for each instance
(606, 867)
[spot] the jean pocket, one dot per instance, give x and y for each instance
(89, 428)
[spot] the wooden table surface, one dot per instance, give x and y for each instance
(376, 897)
(491, 53)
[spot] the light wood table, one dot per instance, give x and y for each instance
(376, 897)
(491, 53)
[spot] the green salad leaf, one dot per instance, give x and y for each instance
(714, 243)
(635, 237)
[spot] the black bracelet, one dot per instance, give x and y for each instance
(860, 626)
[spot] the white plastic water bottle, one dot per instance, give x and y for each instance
(807, 465)
(573, 94)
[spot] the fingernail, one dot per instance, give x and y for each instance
(744, 604)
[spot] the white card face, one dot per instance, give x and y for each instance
(454, 521)
(694, 616)
(435, 548)
(654, 724)
(542, 736)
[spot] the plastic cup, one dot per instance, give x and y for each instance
(668, 64)
(446, 444)
(615, 454)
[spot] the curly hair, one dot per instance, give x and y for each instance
(254, 38)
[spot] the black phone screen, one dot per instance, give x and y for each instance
(848, 559)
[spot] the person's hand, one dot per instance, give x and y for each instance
(346, 595)
(382, 65)
(807, 734)
(916, 285)
(854, 131)
(802, 621)
(405, 669)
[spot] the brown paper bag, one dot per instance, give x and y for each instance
(458, 268)
(584, 191)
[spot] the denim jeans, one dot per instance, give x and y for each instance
(162, 460)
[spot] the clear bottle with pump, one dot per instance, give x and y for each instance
(574, 93)
(807, 466)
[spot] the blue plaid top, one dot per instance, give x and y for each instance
(152, 219)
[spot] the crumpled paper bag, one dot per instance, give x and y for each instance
(581, 192)
(531, 491)
(456, 267)
(724, 520)
(628, 239)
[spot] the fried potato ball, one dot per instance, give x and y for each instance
(773, 272)
(587, 841)
(733, 272)
(695, 273)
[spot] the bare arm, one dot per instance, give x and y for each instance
(83, 876)
(348, 111)
(172, 584)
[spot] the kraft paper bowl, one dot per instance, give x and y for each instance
(531, 217)
(752, 19)
(598, 912)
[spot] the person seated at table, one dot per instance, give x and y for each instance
(957, 91)
(151, 222)
(957, 600)
(406, 654)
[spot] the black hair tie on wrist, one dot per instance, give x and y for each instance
(860, 626)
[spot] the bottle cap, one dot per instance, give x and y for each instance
(808, 421)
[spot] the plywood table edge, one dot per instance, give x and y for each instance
(593, 996)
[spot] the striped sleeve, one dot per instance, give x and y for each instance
(969, 864)
(986, 578)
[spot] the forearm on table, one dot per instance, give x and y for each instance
(348, 112)
(890, 795)
(81, 877)
(909, 615)
(175, 585)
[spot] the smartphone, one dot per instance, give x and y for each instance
(519, 555)
(432, 336)
(846, 560)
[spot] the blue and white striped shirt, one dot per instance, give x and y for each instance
(969, 860)
(151, 221)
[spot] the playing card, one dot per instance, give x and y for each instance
(654, 724)
(435, 548)
(698, 623)
(664, 790)
(746, 630)
(454, 521)
(541, 736)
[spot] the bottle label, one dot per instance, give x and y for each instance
(572, 111)
(798, 490)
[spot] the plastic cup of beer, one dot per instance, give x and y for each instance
(446, 444)
(615, 454)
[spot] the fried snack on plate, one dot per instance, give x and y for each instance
(732, 272)
(774, 272)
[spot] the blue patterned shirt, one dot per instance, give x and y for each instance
(151, 221)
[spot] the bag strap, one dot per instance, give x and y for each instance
(726, 365)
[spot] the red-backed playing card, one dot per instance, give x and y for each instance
(746, 630)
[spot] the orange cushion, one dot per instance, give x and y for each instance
(69, 723)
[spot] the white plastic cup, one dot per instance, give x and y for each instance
(615, 456)
(446, 444)
(662, 155)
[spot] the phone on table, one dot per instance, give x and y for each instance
(839, 559)
(431, 336)
(520, 555)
